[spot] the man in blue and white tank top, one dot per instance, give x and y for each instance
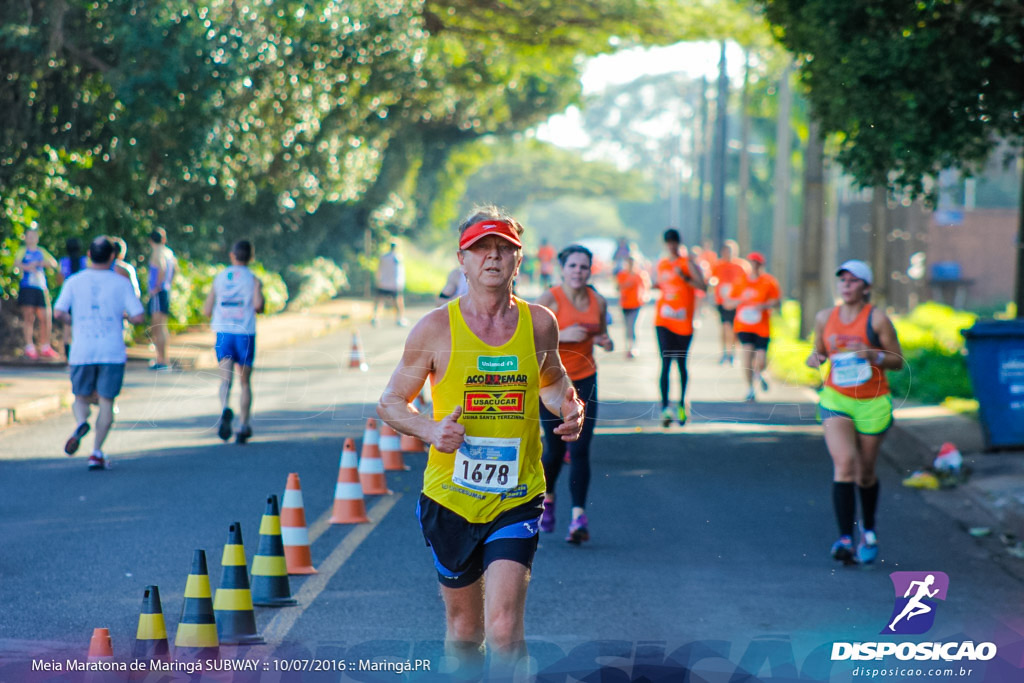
(234, 300)
(162, 266)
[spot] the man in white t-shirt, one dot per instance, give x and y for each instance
(95, 301)
(232, 304)
(390, 283)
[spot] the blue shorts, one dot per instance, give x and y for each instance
(104, 379)
(240, 348)
(463, 550)
(160, 302)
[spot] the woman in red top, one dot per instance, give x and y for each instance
(582, 323)
(860, 343)
(633, 283)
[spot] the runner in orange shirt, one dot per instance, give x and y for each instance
(634, 284)
(673, 320)
(755, 299)
(728, 273)
(546, 257)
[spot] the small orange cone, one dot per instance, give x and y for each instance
(371, 468)
(294, 533)
(349, 507)
(101, 648)
(391, 449)
(357, 360)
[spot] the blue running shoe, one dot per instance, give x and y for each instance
(867, 551)
(842, 550)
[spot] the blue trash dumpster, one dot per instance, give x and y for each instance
(995, 362)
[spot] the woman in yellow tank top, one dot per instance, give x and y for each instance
(860, 343)
(491, 359)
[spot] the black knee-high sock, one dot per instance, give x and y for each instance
(845, 504)
(868, 504)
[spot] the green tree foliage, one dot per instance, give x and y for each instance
(910, 88)
(302, 124)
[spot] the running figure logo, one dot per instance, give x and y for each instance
(916, 594)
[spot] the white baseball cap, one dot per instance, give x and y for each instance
(858, 269)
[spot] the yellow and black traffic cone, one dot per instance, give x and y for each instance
(151, 636)
(232, 605)
(197, 629)
(269, 569)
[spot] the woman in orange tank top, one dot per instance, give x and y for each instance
(634, 283)
(860, 343)
(582, 323)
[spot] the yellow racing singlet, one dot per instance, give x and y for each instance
(499, 465)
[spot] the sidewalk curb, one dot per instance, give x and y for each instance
(195, 352)
(1000, 509)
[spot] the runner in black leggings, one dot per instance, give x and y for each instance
(582, 323)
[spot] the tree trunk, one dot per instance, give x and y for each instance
(780, 216)
(1019, 289)
(879, 246)
(742, 209)
(718, 161)
(811, 229)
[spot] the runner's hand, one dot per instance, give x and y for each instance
(571, 412)
(605, 342)
(448, 433)
(573, 333)
(816, 359)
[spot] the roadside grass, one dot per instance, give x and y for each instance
(935, 370)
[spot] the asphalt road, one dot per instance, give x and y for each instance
(709, 543)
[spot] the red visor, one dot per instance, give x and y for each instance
(478, 231)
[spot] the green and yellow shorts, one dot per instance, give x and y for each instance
(870, 416)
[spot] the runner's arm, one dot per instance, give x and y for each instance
(418, 362)
(891, 355)
(602, 338)
(819, 354)
(556, 389)
(258, 302)
(211, 301)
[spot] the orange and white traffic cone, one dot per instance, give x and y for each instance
(349, 506)
(409, 443)
(357, 360)
(294, 533)
(391, 449)
(371, 467)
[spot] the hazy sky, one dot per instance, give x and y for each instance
(694, 59)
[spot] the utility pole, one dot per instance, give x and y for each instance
(780, 215)
(812, 229)
(718, 159)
